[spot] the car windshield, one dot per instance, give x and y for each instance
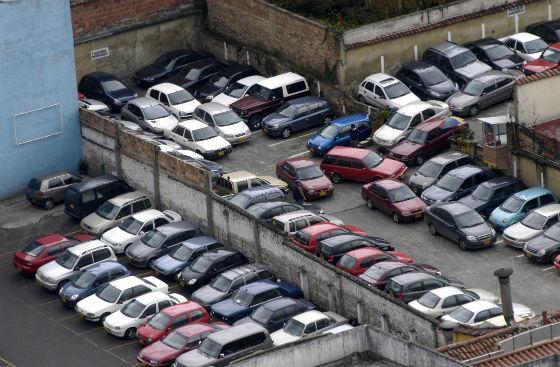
(112, 86)
(203, 134)
(133, 309)
(155, 112)
(33, 249)
(375, 273)
(163, 61)
(181, 253)
(67, 260)
(294, 327)
(552, 55)
(287, 110)
(261, 92)
(417, 136)
(193, 74)
(536, 45)
(262, 315)
(432, 76)
(109, 293)
(159, 321)
(302, 237)
(241, 200)
(553, 232)
(201, 265)
(309, 173)
(482, 193)
(34, 184)
(469, 219)
(512, 204)
(534, 220)
(429, 300)
(347, 261)
(175, 340)
(181, 96)
(242, 297)
(430, 169)
(83, 280)
(398, 121)
(329, 131)
(461, 314)
(372, 159)
(499, 52)
(473, 88)
(226, 118)
(464, 58)
(219, 81)
(107, 210)
(131, 225)
(210, 348)
(235, 90)
(449, 183)
(396, 90)
(153, 239)
(221, 283)
(402, 193)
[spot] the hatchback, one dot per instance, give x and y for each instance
(385, 92)
(333, 248)
(379, 274)
(435, 168)
(304, 173)
(196, 73)
(410, 286)
(106, 88)
(237, 90)
(290, 223)
(357, 261)
(441, 301)
(494, 53)
(426, 81)
(535, 223)
(394, 198)
(150, 115)
(220, 81)
(180, 102)
(48, 190)
(224, 121)
(308, 238)
(492, 193)
(528, 46)
(544, 248)
(338, 133)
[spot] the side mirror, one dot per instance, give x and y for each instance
(222, 355)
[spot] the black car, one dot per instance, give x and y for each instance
(213, 168)
(548, 31)
(435, 168)
(545, 247)
(166, 65)
(207, 266)
(106, 88)
(410, 286)
(426, 81)
(460, 224)
(267, 211)
(196, 73)
(495, 53)
(331, 249)
(491, 194)
(220, 81)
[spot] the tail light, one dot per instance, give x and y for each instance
(40, 194)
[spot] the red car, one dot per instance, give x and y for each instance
(356, 262)
(307, 175)
(394, 198)
(343, 163)
(309, 237)
(426, 139)
(379, 274)
(45, 249)
(171, 318)
(163, 353)
(550, 59)
(557, 262)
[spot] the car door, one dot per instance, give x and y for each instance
(364, 130)
(287, 172)
(504, 88)
(379, 99)
(436, 141)
(177, 135)
(55, 189)
(101, 255)
(466, 188)
(344, 168)
(300, 120)
(343, 136)
(384, 203)
(368, 91)
(489, 96)
(444, 222)
(149, 311)
(84, 261)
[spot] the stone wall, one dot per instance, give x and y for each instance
(534, 106)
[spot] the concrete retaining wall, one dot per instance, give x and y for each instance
(534, 107)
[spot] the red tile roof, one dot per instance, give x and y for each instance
(550, 129)
(524, 355)
(538, 76)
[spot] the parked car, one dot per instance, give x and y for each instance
(237, 90)
(526, 45)
(406, 118)
(457, 62)
(304, 173)
(175, 261)
(457, 183)
(43, 250)
(307, 324)
(219, 82)
(435, 168)
(426, 139)
(55, 274)
(106, 88)
(550, 59)
(385, 92)
(224, 121)
(410, 286)
(258, 194)
(460, 224)
(494, 53)
(379, 274)
(159, 242)
(548, 31)
(492, 193)
(169, 319)
(292, 222)
(544, 248)
(268, 210)
(267, 95)
(179, 102)
(150, 115)
(357, 261)
(338, 133)
(309, 237)
(272, 315)
(535, 223)
(115, 295)
(194, 74)
(557, 262)
(214, 169)
(426, 81)
(225, 284)
(232, 183)
(356, 164)
(516, 207)
(136, 226)
(394, 198)
(48, 190)
(473, 313)
(94, 105)
(199, 137)
(89, 281)
(296, 115)
(166, 65)
(481, 92)
(333, 248)
(202, 270)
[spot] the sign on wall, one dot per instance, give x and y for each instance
(99, 53)
(518, 9)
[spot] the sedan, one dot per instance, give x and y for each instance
(270, 209)
(535, 223)
(460, 224)
(495, 53)
(394, 198)
(526, 45)
(426, 81)
(304, 173)
(150, 115)
(308, 238)
(546, 247)
(199, 137)
(479, 312)
(356, 262)
(379, 274)
(219, 82)
(441, 301)
(332, 249)
(95, 106)
(550, 59)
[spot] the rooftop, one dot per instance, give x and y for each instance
(550, 129)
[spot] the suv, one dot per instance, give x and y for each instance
(55, 274)
(106, 88)
(292, 222)
(266, 96)
(233, 183)
(255, 195)
(384, 91)
(219, 82)
(491, 194)
(410, 286)
(224, 121)
(457, 62)
(180, 102)
(434, 169)
(49, 190)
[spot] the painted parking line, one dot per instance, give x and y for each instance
(549, 268)
(46, 303)
(145, 273)
(299, 154)
(91, 330)
(294, 138)
(67, 317)
(29, 285)
(7, 253)
(7, 363)
(518, 256)
(76, 231)
(122, 345)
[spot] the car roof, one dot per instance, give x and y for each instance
(143, 102)
(336, 240)
(450, 49)
(293, 215)
(549, 210)
(389, 265)
(430, 125)
(219, 253)
(148, 215)
(167, 88)
(176, 227)
(389, 183)
(480, 305)
(94, 182)
(309, 316)
(181, 308)
(414, 108)
(418, 65)
(300, 162)
(259, 190)
(199, 241)
(152, 297)
(383, 79)
(194, 329)
(456, 208)
(524, 36)
(127, 197)
(102, 267)
(87, 246)
(242, 270)
(498, 182)
(51, 239)
(53, 175)
(357, 153)
(350, 119)
(279, 303)
(464, 171)
(489, 42)
(259, 286)
(280, 80)
(492, 75)
(202, 63)
(446, 291)
(363, 252)
(413, 276)
(101, 76)
(240, 175)
(214, 107)
(320, 227)
(447, 157)
(127, 282)
(192, 124)
(305, 100)
(532, 192)
(250, 80)
(236, 332)
(232, 70)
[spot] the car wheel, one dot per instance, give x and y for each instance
(60, 285)
(432, 229)
(286, 132)
(474, 110)
(396, 218)
(130, 333)
(461, 243)
(327, 120)
(255, 122)
(336, 178)
(126, 249)
(370, 204)
(419, 160)
(103, 317)
(49, 204)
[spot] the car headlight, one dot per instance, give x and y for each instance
(439, 201)
(493, 232)
(437, 95)
(541, 252)
(74, 297)
(230, 136)
(117, 327)
(61, 290)
(471, 238)
(191, 281)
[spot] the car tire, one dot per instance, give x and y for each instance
(126, 249)
(255, 122)
(286, 132)
(461, 243)
(336, 178)
(474, 110)
(370, 204)
(432, 229)
(103, 317)
(130, 333)
(396, 218)
(49, 204)
(419, 160)
(327, 120)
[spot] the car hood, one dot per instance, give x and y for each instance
(388, 133)
(436, 193)
(224, 99)
(95, 221)
(209, 90)
(234, 129)
(472, 202)
(542, 243)
(195, 358)
(504, 219)
(406, 147)
(280, 337)
(139, 249)
(187, 274)
(53, 270)
(187, 107)
(159, 351)
(123, 95)
(215, 143)
(539, 65)
(274, 119)
(228, 308)
(421, 180)
(473, 69)
(148, 332)
(480, 230)
(248, 103)
(119, 319)
(444, 87)
(208, 295)
(68, 290)
(509, 62)
(150, 71)
(118, 236)
(460, 99)
(388, 167)
(95, 305)
(318, 183)
(404, 100)
(521, 232)
(168, 263)
(317, 140)
(412, 205)
(166, 123)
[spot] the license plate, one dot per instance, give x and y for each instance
(487, 242)
(418, 215)
(221, 153)
(322, 193)
(528, 254)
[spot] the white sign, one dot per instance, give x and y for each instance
(518, 9)
(99, 54)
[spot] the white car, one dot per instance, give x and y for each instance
(401, 123)
(180, 102)
(384, 91)
(235, 91)
(151, 115)
(225, 122)
(196, 135)
(130, 125)
(95, 106)
(135, 226)
(526, 45)
(115, 295)
(481, 312)
(306, 324)
(292, 222)
(535, 223)
(125, 322)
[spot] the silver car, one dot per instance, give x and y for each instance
(149, 114)
(483, 91)
(224, 121)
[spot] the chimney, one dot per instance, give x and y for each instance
(503, 275)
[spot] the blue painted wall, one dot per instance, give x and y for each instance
(39, 122)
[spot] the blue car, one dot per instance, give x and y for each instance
(518, 205)
(491, 194)
(297, 114)
(173, 263)
(273, 314)
(106, 88)
(89, 280)
(338, 133)
(248, 297)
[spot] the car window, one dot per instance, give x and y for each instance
(329, 160)
(101, 254)
(445, 216)
(530, 205)
(154, 94)
(369, 86)
(432, 284)
(140, 290)
(180, 321)
(115, 273)
(163, 304)
(311, 328)
(71, 180)
(467, 183)
(367, 263)
(160, 222)
(125, 211)
(344, 162)
(244, 185)
(163, 99)
(357, 164)
(296, 87)
(379, 92)
(300, 224)
(126, 295)
(546, 199)
(435, 133)
(148, 227)
(302, 111)
(489, 87)
(55, 182)
(84, 261)
(551, 221)
(502, 82)
(450, 301)
(56, 249)
(415, 287)
(102, 279)
(256, 182)
(138, 206)
(430, 112)
(179, 130)
(519, 46)
(149, 311)
(416, 120)
(463, 298)
(482, 315)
